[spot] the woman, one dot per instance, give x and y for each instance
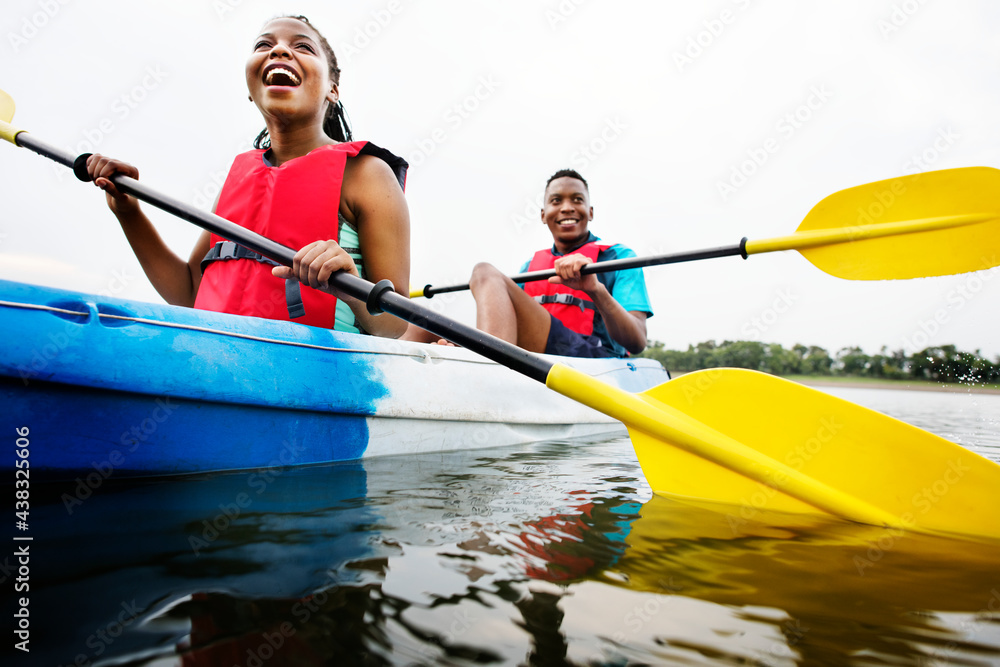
(305, 185)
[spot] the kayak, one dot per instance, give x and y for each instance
(103, 385)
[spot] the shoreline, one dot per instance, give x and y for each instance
(896, 384)
(903, 385)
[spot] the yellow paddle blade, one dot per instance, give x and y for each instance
(923, 482)
(6, 107)
(645, 415)
(7, 131)
(950, 223)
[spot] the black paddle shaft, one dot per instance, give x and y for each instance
(613, 265)
(380, 297)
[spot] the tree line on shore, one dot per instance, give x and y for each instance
(944, 363)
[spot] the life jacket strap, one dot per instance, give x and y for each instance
(567, 299)
(227, 250)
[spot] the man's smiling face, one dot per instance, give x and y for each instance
(567, 212)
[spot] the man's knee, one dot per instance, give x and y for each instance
(483, 272)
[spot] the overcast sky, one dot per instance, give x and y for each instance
(659, 104)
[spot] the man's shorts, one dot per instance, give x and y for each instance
(567, 343)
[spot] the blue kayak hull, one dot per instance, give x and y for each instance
(111, 386)
(101, 431)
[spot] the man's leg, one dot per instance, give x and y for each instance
(416, 334)
(504, 310)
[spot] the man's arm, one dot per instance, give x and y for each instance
(627, 327)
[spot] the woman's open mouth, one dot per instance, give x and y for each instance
(280, 75)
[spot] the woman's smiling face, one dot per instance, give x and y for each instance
(288, 73)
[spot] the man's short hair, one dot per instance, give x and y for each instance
(567, 173)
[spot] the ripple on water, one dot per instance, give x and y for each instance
(549, 554)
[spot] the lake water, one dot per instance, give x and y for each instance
(549, 554)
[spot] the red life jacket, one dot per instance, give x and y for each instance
(294, 204)
(570, 306)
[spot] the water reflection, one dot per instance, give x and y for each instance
(553, 554)
(834, 592)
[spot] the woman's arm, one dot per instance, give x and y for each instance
(173, 278)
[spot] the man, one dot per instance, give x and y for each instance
(592, 315)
